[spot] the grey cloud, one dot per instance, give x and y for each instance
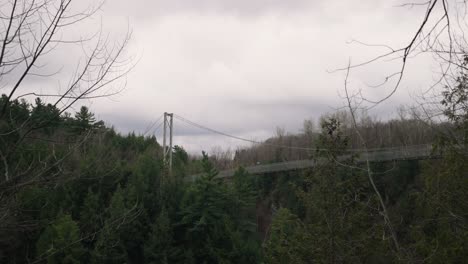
(237, 117)
(243, 67)
(141, 8)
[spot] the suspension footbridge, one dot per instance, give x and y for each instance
(418, 152)
(385, 154)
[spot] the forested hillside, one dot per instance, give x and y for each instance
(75, 191)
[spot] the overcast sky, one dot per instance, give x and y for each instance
(246, 67)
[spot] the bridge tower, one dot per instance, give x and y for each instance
(167, 150)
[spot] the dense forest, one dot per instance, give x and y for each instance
(75, 191)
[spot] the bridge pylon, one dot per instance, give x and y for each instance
(167, 150)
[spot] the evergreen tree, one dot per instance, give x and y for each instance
(44, 117)
(341, 209)
(84, 119)
(214, 231)
(243, 197)
(60, 242)
(203, 211)
(288, 240)
(90, 217)
(338, 225)
(159, 247)
(439, 228)
(109, 246)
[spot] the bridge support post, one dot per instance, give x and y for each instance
(167, 150)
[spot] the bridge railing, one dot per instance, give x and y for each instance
(387, 154)
(400, 153)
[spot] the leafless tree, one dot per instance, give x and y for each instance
(30, 32)
(222, 159)
(33, 29)
(440, 33)
(370, 173)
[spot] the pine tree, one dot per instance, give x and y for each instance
(339, 203)
(109, 245)
(45, 117)
(288, 240)
(219, 220)
(84, 120)
(60, 242)
(439, 228)
(337, 225)
(90, 216)
(159, 248)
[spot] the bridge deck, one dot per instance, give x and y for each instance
(390, 154)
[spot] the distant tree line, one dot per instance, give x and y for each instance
(406, 130)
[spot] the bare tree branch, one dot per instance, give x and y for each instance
(368, 167)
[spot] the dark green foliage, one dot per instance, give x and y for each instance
(339, 222)
(439, 223)
(160, 246)
(218, 219)
(45, 117)
(288, 241)
(180, 155)
(110, 247)
(60, 242)
(84, 119)
(90, 217)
